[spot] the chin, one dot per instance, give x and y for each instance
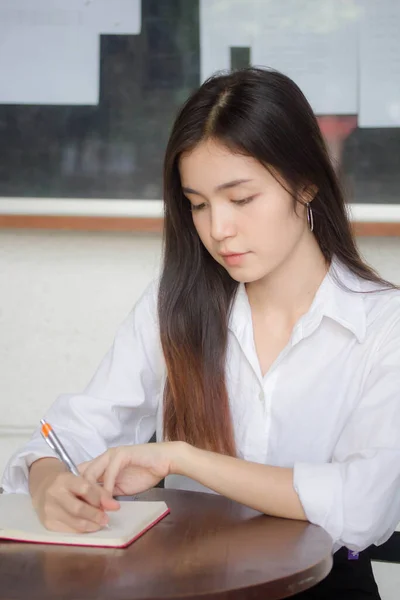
(243, 276)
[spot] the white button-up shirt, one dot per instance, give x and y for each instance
(329, 406)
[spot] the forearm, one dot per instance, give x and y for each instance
(262, 487)
(41, 469)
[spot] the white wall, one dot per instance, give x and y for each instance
(62, 295)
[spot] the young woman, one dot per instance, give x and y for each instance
(267, 356)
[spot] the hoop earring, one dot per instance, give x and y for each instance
(310, 216)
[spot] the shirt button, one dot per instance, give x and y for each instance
(262, 396)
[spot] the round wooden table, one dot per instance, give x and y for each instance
(208, 547)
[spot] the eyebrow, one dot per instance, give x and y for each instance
(222, 186)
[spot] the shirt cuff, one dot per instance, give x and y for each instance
(16, 474)
(319, 487)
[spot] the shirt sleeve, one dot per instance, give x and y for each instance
(118, 406)
(356, 497)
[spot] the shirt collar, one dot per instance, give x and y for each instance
(339, 298)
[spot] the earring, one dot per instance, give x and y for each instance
(310, 217)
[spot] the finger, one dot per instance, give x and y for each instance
(108, 502)
(116, 464)
(81, 514)
(93, 493)
(89, 492)
(83, 466)
(81, 525)
(64, 521)
(94, 470)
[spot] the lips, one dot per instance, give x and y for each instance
(234, 260)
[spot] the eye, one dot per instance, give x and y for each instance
(244, 201)
(197, 207)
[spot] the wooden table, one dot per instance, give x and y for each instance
(208, 547)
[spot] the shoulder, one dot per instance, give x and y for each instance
(146, 304)
(139, 333)
(382, 319)
(382, 306)
(142, 319)
(374, 307)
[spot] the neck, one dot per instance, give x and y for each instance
(290, 288)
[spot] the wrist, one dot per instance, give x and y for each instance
(181, 458)
(41, 471)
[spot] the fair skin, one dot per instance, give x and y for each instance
(65, 502)
(282, 268)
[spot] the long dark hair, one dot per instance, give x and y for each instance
(263, 114)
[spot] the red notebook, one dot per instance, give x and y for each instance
(19, 522)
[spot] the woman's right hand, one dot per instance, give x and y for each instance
(65, 502)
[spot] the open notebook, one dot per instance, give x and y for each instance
(18, 521)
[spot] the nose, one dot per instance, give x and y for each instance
(223, 224)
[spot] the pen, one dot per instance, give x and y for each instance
(51, 438)
(53, 441)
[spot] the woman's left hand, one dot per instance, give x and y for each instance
(128, 470)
